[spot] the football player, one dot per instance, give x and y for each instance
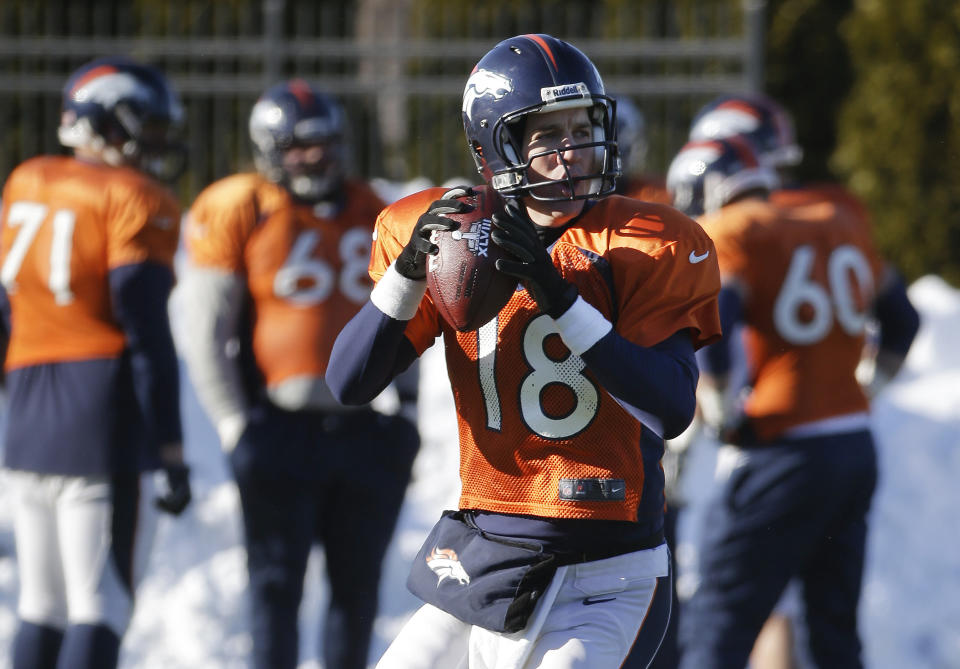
(277, 264)
(770, 129)
(556, 555)
(91, 372)
(800, 464)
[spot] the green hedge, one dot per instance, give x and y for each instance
(875, 88)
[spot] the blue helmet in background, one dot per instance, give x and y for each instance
(531, 74)
(296, 114)
(705, 176)
(631, 135)
(126, 112)
(760, 119)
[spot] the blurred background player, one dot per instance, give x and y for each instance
(799, 465)
(564, 399)
(277, 264)
(634, 180)
(770, 129)
(91, 371)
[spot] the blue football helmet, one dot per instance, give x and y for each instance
(705, 176)
(530, 74)
(631, 135)
(767, 125)
(126, 112)
(295, 114)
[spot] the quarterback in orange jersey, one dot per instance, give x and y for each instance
(556, 555)
(277, 261)
(802, 282)
(86, 252)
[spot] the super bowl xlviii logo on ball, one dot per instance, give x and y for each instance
(478, 238)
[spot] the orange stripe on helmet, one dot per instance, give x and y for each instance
(301, 91)
(543, 45)
(740, 105)
(98, 71)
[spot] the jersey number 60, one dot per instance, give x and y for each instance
(800, 290)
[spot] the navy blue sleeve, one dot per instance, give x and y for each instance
(715, 359)
(369, 351)
(139, 294)
(661, 380)
(898, 319)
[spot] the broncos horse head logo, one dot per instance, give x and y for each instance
(484, 82)
(445, 564)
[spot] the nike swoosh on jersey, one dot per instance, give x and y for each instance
(694, 258)
(587, 601)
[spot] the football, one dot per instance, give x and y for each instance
(462, 277)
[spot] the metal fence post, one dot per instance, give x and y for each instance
(272, 38)
(755, 15)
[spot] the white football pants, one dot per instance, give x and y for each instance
(587, 619)
(66, 553)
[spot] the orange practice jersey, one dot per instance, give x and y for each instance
(306, 274)
(648, 188)
(810, 274)
(822, 192)
(65, 225)
(529, 412)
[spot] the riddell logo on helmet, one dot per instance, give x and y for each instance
(565, 92)
(482, 83)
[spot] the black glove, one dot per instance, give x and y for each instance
(534, 266)
(177, 495)
(412, 261)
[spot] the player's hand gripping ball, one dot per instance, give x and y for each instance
(462, 276)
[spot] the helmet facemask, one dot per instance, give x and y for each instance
(514, 180)
(125, 114)
(519, 78)
(303, 149)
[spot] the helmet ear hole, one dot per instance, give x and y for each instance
(510, 152)
(513, 141)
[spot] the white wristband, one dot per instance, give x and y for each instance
(396, 295)
(581, 326)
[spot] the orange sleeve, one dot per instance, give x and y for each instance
(649, 188)
(143, 224)
(667, 286)
(725, 227)
(394, 227)
(392, 232)
(220, 221)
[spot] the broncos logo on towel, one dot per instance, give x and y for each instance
(445, 564)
